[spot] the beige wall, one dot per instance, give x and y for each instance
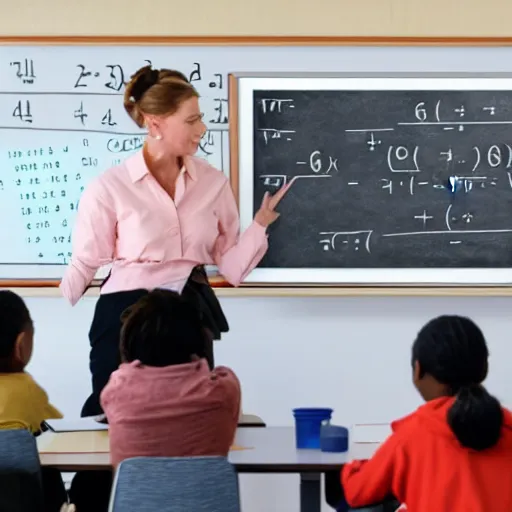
(258, 17)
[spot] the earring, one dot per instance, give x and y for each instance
(158, 137)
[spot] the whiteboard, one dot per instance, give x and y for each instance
(62, 121)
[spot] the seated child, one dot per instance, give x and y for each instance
(454, 452)
(23, 403)
(164, 400)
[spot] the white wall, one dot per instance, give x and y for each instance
(351, 354)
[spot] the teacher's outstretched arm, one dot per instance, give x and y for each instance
(236, 255)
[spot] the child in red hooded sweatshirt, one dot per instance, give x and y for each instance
(454, 453)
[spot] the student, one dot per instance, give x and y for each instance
(164, 400)
(454, 453)
(23, 403)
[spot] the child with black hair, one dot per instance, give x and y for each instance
(165, 400)
(454, 453)
(23, 403)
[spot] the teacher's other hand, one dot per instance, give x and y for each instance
(267, 212)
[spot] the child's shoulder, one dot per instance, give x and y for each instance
(226, 379)
(223, 372)
(24, 383)
(18, 379)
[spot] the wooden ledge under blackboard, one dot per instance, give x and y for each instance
(223, 289)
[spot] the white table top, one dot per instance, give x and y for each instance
(268, 450)
(272, 449)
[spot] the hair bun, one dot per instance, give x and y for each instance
(143, 82)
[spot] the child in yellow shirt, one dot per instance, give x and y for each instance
(23, 403)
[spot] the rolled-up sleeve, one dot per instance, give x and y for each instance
(93, 241)
(236, 255)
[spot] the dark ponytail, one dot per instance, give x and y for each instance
(476, 418)
(452, 349)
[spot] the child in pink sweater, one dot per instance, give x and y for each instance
(164, 400)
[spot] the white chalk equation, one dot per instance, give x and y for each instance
(455, 185)
(372, 134)
(279, 180)
(321, 166)
(451, 232)
(453, 118)
(276, 104)
(353, 240)
(271, 133)
(464, 218)
(402, 159)
(343, 242)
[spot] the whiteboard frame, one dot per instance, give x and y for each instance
(246, 83)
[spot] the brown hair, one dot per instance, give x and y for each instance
(157, 92)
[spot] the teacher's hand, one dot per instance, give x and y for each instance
(267, 214)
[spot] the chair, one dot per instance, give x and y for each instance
(20, 472)
(175, 484)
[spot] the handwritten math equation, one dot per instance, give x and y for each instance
(108, 79)
(438, 167)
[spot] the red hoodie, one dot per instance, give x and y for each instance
(424, 467)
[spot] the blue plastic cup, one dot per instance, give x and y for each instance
(308, 422)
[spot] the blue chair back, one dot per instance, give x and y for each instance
(175, 484)
(20, 472)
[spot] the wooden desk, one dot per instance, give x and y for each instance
(269, 450)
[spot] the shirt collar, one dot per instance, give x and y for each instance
(138, 169)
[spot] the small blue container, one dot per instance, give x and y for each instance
(308, 422)
(333, 438)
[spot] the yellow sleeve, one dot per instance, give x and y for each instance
(51, 412)
(42, 409)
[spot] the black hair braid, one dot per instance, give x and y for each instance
(453, 350)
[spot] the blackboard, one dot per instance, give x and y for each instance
(395, 179)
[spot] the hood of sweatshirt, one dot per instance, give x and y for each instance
(432, 416)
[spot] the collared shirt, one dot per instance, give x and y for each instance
(125, 218)
(171, 411)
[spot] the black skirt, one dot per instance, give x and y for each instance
(104, 334)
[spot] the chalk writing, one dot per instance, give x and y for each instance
(353, 240)
(272, 133)
(275, 104)
(396, 175)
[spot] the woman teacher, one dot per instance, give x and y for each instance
(158, 218)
